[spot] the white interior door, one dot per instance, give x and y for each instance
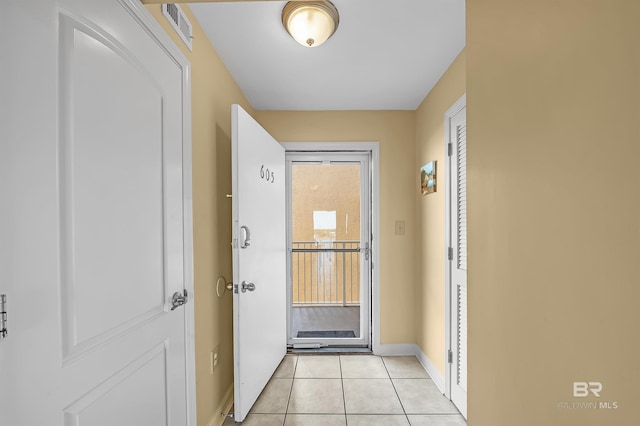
(259, 258)
(97, 234)
(458, 263)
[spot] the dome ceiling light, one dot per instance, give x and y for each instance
(310, 23)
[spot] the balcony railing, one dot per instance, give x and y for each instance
(326, 273)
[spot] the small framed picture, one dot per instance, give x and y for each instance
(428, 176)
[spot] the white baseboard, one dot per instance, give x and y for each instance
(397, 349)
(223, 409)
(434, 373)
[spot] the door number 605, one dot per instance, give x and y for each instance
(267, 175)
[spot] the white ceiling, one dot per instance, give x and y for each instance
(385, 55)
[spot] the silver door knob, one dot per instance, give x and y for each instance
(247, 286)
(179, 299)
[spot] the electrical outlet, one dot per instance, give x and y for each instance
(214, 358)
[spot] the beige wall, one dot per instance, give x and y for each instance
(553, 201)
(395, 130)
(214, 90)
(430, 285)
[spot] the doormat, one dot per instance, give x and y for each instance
(327, 333)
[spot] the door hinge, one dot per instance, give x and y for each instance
(3, 316)
(449, 149)
(450, 253)
(450, 357)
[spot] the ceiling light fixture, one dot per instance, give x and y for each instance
(310, 23)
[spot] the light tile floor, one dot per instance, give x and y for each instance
(353, 390)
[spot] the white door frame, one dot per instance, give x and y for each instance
(351, 157)
(153, 28)
(449, 243)
(374, 149)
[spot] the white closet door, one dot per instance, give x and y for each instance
(458, 135)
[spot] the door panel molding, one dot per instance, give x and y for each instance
(89, 404)
(84, 51)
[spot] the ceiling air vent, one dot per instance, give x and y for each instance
(179, 21)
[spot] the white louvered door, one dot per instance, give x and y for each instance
(458, 221)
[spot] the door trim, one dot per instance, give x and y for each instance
(448, 324)
(374, 149)
(140, 13)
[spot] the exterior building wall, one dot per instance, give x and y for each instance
(326, 278)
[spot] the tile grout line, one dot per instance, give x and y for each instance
(406, 416)
(293, 378)
(344, 399)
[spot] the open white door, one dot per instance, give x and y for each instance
(259, 258)
(96, 229)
